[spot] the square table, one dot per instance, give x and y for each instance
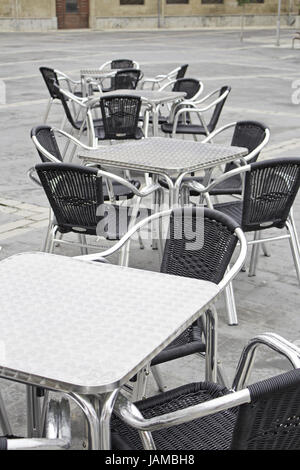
(86, 328)
(165, 157)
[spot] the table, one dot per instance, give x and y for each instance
(152, 98)
(75, 326)
(165, 157)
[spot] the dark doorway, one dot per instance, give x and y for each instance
(72, 14)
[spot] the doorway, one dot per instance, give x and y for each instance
(72, 14)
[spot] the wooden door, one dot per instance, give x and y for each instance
(72, 14)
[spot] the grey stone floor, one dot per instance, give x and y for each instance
(262, 77)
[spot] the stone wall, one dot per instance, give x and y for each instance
(40, 15)
(27, 15)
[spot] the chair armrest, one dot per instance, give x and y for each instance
(202, 189)
(131, 232)
(272, 341)
(127, 411)
(31, 173)
(217, 132)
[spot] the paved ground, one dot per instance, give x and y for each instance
(262, 77)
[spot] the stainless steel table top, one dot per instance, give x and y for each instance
(73, 325)
(153, 96)
(163, 156)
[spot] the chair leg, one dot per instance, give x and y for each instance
(294, 247)
(254, 255)
(230, 305)
(139, 391)
(4, 421)
(33, 413)
(265, 250)
(48, 110)
(82, 240)
(158, 378)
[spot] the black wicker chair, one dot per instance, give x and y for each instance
(207, 416)
(117, 64)
(209, 263)
(126, 79)
(46, 144)
(190, 86)
(120, 114)
(252, 135)
(75, 194)
(52, 77)
(177, 127)
(270, 188)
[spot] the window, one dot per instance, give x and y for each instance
(177, 1)
(71, 6)
(131, 2)
(212, 1)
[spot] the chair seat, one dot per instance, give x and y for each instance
(232, 185)
(121, 191)
(189, 342)
(100, 134)
(207, 433)
(97, 123)
(233, 209)
(186, 128)
(112, 227)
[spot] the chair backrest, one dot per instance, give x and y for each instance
(122, 64)
(270, 190)
(126, 79)
(248, 134)
(190, 86)
(74, 193)
(120, 116)
(46, 138)
(218, 108)
(181, 72)
(50, 77)
(272, 420)
(64, 101)
(200, 244)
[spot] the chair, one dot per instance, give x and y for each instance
(75, 194)
(117, 64)
(175, 126)
(252, 135)
(160, 80)
(43, 137)
(87, 123)
(120, 114)
(208, 416)
(126, 79)
(192, 88)
(269, 190)
(217, 237)
(52, 77)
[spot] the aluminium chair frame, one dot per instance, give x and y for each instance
(160, 79)
(130, 414)
(289, 225)
(192, 107)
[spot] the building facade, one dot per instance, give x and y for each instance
(44, 15)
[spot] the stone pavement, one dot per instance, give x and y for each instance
(264, 85)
